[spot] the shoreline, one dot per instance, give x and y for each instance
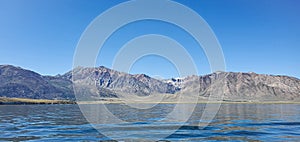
(26, 101)
(200, 102)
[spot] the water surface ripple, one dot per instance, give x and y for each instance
(234, 122)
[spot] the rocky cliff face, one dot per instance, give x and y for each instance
(104, 82)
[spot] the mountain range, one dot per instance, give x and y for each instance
(102, 82)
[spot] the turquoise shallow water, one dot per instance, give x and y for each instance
(234, 122)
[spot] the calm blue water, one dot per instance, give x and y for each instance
(234, 122)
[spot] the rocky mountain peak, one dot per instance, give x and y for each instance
(105, 82)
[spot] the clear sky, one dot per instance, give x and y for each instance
(260, 36)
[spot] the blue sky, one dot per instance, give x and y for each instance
(261, 36)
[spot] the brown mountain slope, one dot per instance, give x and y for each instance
(104, 82)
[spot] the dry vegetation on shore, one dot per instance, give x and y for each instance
(4, 100)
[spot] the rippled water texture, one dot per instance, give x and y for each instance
(236, 122)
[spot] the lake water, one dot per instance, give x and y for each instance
(234, 122)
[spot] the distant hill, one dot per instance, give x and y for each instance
(107, 83)
(21, 83)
